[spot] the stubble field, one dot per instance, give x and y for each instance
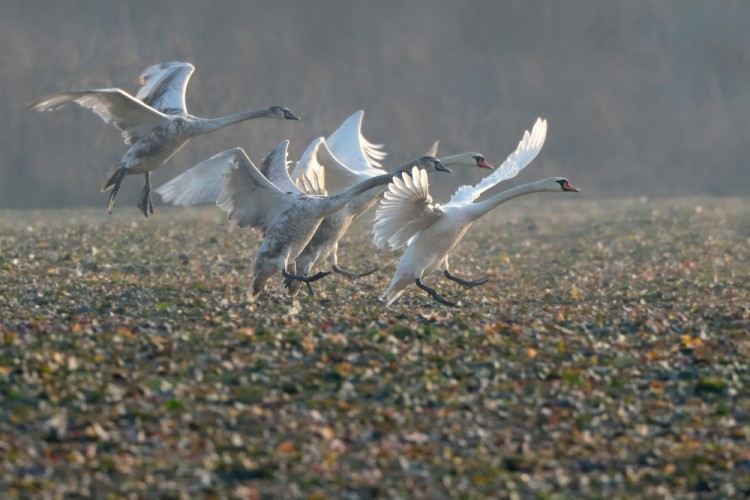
(607, 355)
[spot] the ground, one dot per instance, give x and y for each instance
(607, 355)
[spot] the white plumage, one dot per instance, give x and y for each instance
(407, 215)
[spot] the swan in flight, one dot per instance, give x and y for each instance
(407, 215)
(155, 123)
(272, 203)
(323, 246)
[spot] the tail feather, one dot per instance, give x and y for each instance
(397, 287)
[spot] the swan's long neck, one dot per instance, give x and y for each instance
(455, 160)
(335, 203)
(211, 124)
(478, 209)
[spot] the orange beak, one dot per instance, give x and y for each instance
(570, 187)
(483, 163)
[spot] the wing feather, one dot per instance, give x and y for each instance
(275, 168)
(164, 86)
(314, 182)
(308, 161)
(352, 148)
(200, 183)
(528, 148)
(246, 196)
(339, 177)
(131, 116)
(405, 210)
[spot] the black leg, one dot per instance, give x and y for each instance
(118, 177)
(305, 279)
(464, 282)
(289, 282)
(145, 203)
(349, 274)
(434, 294)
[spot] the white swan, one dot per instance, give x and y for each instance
(407, 215)
(273, 204)
(323, 246)
(155, 123)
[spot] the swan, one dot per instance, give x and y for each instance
(155, 123)
(324, 244)
(432, 230)
(273, 204)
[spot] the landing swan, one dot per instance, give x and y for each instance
(155, 123)
(324, 244)
(407, 215)
(273, 204)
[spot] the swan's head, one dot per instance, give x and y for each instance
(430, 163)
(466, 160)
(481, 162)
(281, 113)
(560, 184)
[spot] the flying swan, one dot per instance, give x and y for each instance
(155, 123)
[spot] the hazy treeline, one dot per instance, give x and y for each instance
(642, 97)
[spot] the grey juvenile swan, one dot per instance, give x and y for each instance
(155, 123)
(273, 204)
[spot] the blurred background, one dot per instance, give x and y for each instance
(643, 97)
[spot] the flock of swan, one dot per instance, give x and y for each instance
(303, 214)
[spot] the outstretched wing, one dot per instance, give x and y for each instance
(274, 168)
(405, 210)
(308, 161)
(247, 197)
(339, 177)
(134, 118)
(527, 149)
(200, 183)
(164, 86)
(352, 148)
